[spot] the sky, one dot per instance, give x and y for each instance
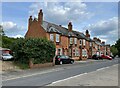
(100, 18)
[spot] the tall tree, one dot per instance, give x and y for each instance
(114, 50)
(117, 45)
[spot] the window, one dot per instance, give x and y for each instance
(57, 38)
(80, 42)
(71, 40)
(51, 37)
(74, 53)
(75, 40)
(77, 52)
(90, 44)
(84, 42)
(84, 52)
(59, 51)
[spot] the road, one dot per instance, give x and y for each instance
(107, 76)
(59, 73)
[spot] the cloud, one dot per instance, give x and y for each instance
(61, 12)
(105, 29)
(12, 29)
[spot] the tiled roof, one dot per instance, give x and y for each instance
(50, 27)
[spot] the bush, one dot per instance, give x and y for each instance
(40, 49)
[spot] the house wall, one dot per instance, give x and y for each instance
(35, 30)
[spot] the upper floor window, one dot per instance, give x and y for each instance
(90, 44)
(84, 42)
(75, 40)
(52, 37)
(71, 40)
(57, 38)
(80, 41)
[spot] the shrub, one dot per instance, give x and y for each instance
(40, 49)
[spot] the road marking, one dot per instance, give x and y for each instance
(68, 78)
(115, 65)
(102, 68)
(31, 75)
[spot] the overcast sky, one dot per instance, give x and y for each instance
(100, 18)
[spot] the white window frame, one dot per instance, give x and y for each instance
(75, 40)
(71, 40)
(52, 37)
(90, 44)
(77, 52)
(60, 51)
(84, 42)
(84, 52)
(57, 38)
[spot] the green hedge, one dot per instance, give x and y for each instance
(39, 49)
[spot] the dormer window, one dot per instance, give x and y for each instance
(57, 38)
(75, 40)
(52, 37)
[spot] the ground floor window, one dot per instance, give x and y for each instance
(84, 52)
(59, 51)
(77, 53)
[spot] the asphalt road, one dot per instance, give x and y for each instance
(49, 77)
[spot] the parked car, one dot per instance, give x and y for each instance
(96, 57)
(112, 56)
(6, 56)
(106, 57)
(63, 59)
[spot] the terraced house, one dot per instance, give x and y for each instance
(75, 44)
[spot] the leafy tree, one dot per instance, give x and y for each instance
(1, 31)
(39, 49)
(5, 41)
(114, 50)
(117, 45)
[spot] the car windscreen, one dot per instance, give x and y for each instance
(6, 54)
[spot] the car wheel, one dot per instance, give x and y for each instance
(61, 62)
(72, 62)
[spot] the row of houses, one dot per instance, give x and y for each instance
(69, 42)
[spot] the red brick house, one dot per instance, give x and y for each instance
(68, 42)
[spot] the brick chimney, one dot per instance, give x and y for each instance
(99, 40)
(95, 39)
(40, 16)
(87, 33)
(103, 42)
(70, 27)
(29, 22)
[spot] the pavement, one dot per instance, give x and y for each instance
(102, 77)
